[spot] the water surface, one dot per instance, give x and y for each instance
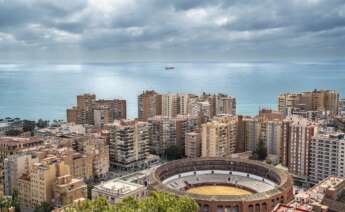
(46, 90)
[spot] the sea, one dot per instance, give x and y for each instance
(33, 91)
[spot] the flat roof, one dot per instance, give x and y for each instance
(118, 187)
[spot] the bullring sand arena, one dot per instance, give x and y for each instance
(222, 184)
(218, 190)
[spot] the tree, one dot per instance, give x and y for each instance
(174, 152)
(44, 207)
(159, 201)
(8, 202)
(42, 123)
(260, 153)
(156, 201)
(29, 126)
(13, 132)
(89, 190)
(15, 200)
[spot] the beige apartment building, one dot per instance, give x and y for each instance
(91, 150)
(149, 105)
(81, 164)
(174, 104)
(193, 144)
(273, 137)
(317, 100)
(219, 137)
(44, 183)
(162, 134)
(252, 132)
(12, 145)
(129, 142)
(15, 166)
(96, 112)
(165, 131)
(68, 190)
(297, 134)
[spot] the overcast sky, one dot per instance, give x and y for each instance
(171, 30)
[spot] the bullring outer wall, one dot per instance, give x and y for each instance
(258, 202)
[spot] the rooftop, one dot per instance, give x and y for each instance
(18, 140)
(118, 187)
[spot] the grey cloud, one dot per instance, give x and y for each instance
(193, 30)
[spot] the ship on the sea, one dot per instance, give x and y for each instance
(169, 67)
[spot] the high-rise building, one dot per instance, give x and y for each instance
(252, 133)
(165, 131)
(317, 100)
(193, 144)
(200, 109)
(225, 105)
(273, 137)
(106, 111)
(327, 156)
(162, 133)
(219, 104)
(174, 104)
(128, 143)
(98, 112)
(297, 134)
(219, 137)
(149, 105)
(170, 105)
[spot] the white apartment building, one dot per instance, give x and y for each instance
(327, 156)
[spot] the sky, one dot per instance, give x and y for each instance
(171, 30)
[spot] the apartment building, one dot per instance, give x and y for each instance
(225, 104)
(149, 105)
(297, 134)
(273, 137)
(252, 133)
(174, 104)
(128, 143)
(162, 134)
(68, 190)
(12, 145)
(317, 100)
(327, 156)
(96, 112)
(92, 148)
(219, 137)
(165, 131)
(43, 184)
(193, 144)
(201, 109)
(14, 167)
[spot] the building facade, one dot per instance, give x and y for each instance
(193, 145)
(149, 105)
(297, 134)
(129, 142)
(327, 156)
(317, 100)
(96, 112)
(219, 137)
